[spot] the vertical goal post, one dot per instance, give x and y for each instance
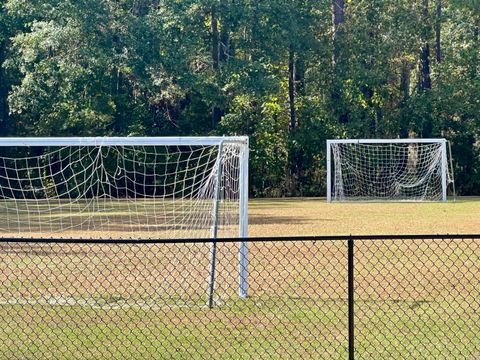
(172, 187)
(388, 170)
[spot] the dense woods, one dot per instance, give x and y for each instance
(288, 73)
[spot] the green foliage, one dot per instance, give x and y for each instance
(147, 67)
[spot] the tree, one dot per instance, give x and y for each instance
(288, 74)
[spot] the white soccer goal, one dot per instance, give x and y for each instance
(126, 187)
(388, 170)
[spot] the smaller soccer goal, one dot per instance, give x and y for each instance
(388, 170)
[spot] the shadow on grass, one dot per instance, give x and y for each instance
(257, 219)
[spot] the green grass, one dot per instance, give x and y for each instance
(413, 299)
(237, 330)
(301, 329)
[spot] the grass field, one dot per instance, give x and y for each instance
(267, 217)
(289, 217)
(414, 299)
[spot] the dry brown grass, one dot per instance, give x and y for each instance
(267, 217)
(179, 269)
(288, 217)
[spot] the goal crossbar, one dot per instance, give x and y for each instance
(122, 141)
(386, 141)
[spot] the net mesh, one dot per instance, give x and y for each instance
(388, 171)
(119, 191)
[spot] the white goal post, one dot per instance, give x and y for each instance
(388, 170)
(126, 187)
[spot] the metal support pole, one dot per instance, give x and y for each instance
(243, 223)
(444, 168)
(452, 178)
(213, 248)
(351, 301)
(329, 171)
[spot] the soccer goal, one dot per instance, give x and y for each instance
(388, 170)
(126, 187)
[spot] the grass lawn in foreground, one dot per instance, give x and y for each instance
(413, 299)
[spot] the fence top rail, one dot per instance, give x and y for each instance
(119, 141)
(237, 239)
(385, 141)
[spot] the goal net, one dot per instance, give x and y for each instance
(157, 188)
(391, 170)
(127, 188)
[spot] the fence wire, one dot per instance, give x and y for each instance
(410, 297)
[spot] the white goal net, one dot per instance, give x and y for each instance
(129, 188)
(157, 188)
(391, 170)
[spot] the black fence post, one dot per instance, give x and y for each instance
(351, 301)
(213, 261)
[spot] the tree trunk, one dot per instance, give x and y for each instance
(299, 74)
(476, 44)
(291, 87)
(406, 68)
(438, 31)
(405, 76)
(3, 91)
(141, 8)
(404, 83)
(338, 17)
(294, 84)
(254, 31)
(424, 80)
(216, 112)
(215, 39)
(367, 89)
(225, 45)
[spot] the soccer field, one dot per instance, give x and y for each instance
(288, 217)
(267, 217)
(149, 301)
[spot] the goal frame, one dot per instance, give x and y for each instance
(441, 141)
(219, 141)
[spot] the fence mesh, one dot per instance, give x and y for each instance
(418, 298)
(413, 298)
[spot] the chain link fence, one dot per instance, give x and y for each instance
(308, 297)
